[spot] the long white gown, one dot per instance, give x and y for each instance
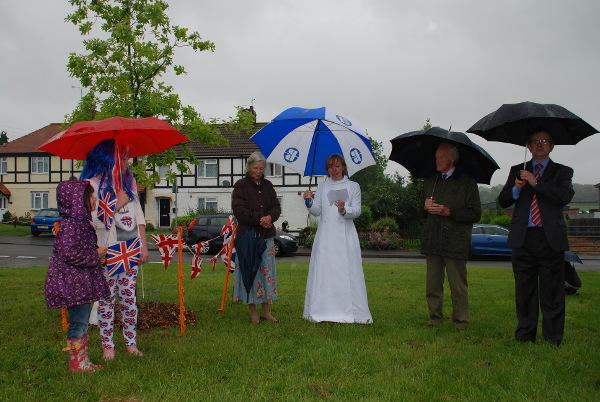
(335, 289)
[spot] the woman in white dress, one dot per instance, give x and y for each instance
(335, 289)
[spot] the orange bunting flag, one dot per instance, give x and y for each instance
(55, 228)
(167, 244)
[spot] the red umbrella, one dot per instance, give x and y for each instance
(141, 136)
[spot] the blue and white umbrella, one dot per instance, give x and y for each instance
(303, 139)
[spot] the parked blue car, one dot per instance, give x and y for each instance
(43, 221)
(489, 240)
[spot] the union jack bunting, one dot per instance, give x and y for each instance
(227, 232)
(123, 256)
(214, 262)
(196, 260)
(227, 243)
(106, 208)
(229, 226)
(167, 244)
(224, 253)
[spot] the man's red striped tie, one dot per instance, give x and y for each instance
(536, 218)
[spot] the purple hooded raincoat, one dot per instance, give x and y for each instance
(75, 275)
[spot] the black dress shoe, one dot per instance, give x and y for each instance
(525, 340)
(553, 342)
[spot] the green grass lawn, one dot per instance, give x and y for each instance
(225, 357)
(9, 229)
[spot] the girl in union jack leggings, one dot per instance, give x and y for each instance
(128, 222)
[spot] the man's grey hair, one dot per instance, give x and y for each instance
(254, 157)
(452, 150)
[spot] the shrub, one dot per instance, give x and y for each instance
(488, 215)
(6, 217)
(503, 221)
(182, 221)
(384, 240)
(306, 236)
(385, 223)
(24, 220)
(363, 222)
(309, 240)
(206, 211)
(305, 231)
(149, 227)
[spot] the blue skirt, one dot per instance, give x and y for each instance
(264, 288)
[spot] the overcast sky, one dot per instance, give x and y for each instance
(390, 64)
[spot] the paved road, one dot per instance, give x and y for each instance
(29, 251)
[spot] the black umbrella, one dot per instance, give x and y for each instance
(572, 257)
(515, 122)
(416, 152)
(572, 279)
(249, 247)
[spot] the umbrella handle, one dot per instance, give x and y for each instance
(524, 161)
(434, 185)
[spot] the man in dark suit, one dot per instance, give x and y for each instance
(538, 237)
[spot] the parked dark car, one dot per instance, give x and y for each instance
(43, 221)
(207, 227)
(489, 240)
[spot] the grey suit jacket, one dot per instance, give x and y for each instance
(554, 191)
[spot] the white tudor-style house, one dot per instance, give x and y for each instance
(28, 179)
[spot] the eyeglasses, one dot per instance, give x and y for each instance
(543, 142)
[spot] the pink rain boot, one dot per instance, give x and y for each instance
(78, 361)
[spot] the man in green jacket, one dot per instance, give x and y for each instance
(451, 205)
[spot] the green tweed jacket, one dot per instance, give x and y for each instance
(450, 236)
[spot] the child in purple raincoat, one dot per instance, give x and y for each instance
(75, 275)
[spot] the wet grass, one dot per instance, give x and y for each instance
(225, 357)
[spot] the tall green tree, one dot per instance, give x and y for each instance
(387, 195)
(130, 48)
(391, 195)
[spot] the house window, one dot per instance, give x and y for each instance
(273, 169)
(3, 202)
(39, 164)
(207, 203)
(3, 168)
(39, 199)
(208, 168)
(162, 172)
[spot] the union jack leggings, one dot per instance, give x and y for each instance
(123, 285)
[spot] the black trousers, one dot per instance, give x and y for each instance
(539, 281)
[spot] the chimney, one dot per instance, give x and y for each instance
(251, 110)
